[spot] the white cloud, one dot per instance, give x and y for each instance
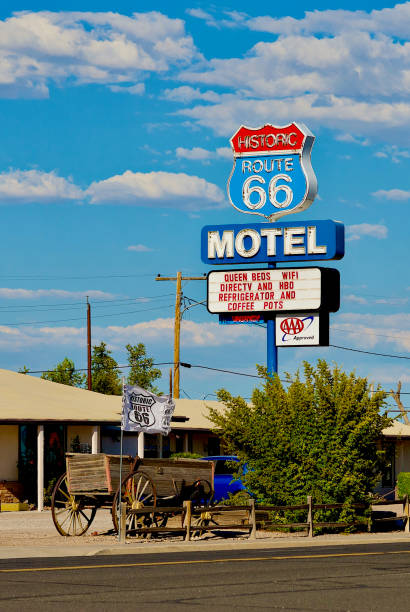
(393, 153)
(389, 374)
(166, 189)
(33, 294)
(331, 111)
(170, 190)
(232, 18)
(392, 21)
(87, 47)
(224, 152)
(200, 14)
(17, 339)
(135, 90)
(200, 154)
(197, 153)
(352, 139)
(158, 330)
(23, 186)
(392, 301)
(351, 297)
(392, 194)
(139, 248)
(367, 331)
(355, 232)
(331, 68)
(353, 65)
(187, 94)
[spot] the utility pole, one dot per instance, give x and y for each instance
(89, 378)
(177, 324)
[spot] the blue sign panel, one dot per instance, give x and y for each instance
(272, 242)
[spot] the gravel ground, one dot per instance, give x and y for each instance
(37, 528)
(30, 528)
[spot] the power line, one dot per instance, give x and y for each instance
(369, 333)
(58, 277)
(117, 367)
(111, 314)
(345, 348)
(189, 365)
(73, 305)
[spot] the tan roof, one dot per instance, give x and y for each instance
(196, 410)
(27, 398)
(397, 430)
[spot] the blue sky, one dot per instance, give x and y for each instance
(114, 152)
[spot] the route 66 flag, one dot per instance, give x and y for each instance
(144, 411)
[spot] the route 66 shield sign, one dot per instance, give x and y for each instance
(141, 412)
(272, 175)
(145, 411)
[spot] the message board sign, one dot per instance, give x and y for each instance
(272, 175)
(305, 329)
(272, 242)
(271, 291)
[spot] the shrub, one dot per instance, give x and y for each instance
(403, 484)
(316, 437)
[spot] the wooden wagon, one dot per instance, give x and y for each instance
(93, 481)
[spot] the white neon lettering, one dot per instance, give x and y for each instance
(293, 236)
(270, 235)
(220, 247)
(312, 247)
(239, 242)
(292, 144)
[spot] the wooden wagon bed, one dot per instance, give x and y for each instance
(92, 481)
(97, 474)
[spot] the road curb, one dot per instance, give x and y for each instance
(145, 548)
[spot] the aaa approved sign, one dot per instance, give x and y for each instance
(273, 290)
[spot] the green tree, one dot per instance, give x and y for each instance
(23, 370)
(317, 437)
(105, 378)
(141, 372)
(65, 374)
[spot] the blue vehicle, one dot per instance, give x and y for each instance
(224, 484)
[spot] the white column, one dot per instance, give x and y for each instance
(40, 467)
(160, 446)
(95, 440)
(141, 445)
(186, 442)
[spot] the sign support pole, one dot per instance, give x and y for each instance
(118, 510)
(271, 348)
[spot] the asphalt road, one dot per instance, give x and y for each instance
(340, 578)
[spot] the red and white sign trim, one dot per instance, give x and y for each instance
(269, 140)
(267, 290)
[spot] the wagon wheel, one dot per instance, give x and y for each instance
(72, 516)
(202, 502)
(137, 491)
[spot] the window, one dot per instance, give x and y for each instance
(214, 446)
(224, 467)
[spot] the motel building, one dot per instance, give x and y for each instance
(40, 421)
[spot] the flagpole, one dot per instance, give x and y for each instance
(121, 443)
